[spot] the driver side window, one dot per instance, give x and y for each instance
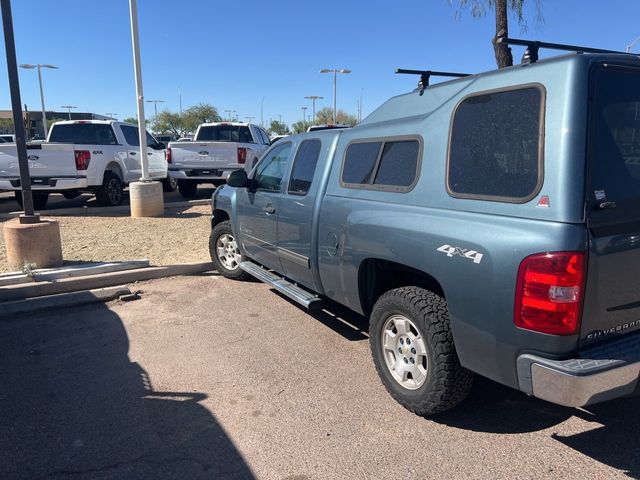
(271, 169)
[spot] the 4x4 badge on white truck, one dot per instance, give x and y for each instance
(461, 252)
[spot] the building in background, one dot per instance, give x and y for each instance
(33, 120)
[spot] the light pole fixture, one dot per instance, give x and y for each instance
(313, 99)
(249, 119)
(40, 66)
(228, 112)
(155, 105)
(335, 72)
(68, 107)
(111, 115)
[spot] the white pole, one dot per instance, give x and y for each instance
(44, 114)
(142, 132)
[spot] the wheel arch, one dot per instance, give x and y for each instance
(114, 167)
(377, 276)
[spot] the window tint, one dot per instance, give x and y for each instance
(304, 167)
(495, 145)
(271, 169)
(359, 162)
(225, 133)
(264, 137)
(615, 149)
(83, 133)
(399, 164)
(130, 135)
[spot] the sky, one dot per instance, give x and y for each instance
(241, 55)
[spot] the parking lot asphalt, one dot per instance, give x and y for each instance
(209, 378)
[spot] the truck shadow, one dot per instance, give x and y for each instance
(340, 319)
(73, 405)
(613, 440)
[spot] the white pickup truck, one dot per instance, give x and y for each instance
(217, 150)
(95, 156)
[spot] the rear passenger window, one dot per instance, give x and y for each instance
(495, 150)
(386, 164)
(304, 167)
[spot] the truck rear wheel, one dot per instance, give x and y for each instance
(169, 184)
(413, 351)
(112, 190)
(225, 252)
(187, 188)
(39, 199)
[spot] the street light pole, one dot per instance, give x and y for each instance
(631, 45)
(111, 115)
(313, 99)
(40, 66)
(18, 122)
(249, 119)
(142, 132)
(304, 115)
(68, 107)
(155, 105)
(335, 72)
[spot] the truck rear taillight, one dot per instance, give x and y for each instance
(242, 155)
(82, 159)
(167, 155)
(549, 292)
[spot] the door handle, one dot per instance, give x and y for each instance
(132, 153)
(269, 208)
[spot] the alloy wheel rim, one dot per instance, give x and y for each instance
(404, 352)
(228, 252)
(114, 192)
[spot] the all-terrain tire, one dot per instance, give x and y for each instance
(39, 199)
(446, 382)
(225, 252)
(187, 188)
(111, 193)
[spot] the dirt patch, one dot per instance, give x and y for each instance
(181, 236)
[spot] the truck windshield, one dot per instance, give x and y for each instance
(224, 133)
(83, 133)
(615, 141)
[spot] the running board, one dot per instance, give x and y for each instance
(295, 293)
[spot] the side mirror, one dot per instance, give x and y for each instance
(161, 146)
(237, 179)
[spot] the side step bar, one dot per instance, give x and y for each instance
(295, 293)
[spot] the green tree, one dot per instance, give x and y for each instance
(169, 122)
(300, 126)
(131, 120)
(479, 8)
(6, 125)
(325, 116)
(192, 117)
(277, 128)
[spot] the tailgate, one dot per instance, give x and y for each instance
(207, 155)
(612, 300)
(51, 160)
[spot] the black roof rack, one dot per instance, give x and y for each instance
(531, 52)
(425, 75)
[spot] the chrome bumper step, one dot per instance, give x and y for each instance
(290, 290)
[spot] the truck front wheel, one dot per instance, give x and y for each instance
(111, 192)
(413, 351)
(225, 252)
(39, 199)
(187, 188)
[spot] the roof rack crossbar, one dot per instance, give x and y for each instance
(531, 52)
(425, 75)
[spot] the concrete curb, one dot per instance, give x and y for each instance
(55, 212)
(74, 284)
(72, 299)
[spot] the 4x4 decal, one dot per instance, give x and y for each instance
(461, 252)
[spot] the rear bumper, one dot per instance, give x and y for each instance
(49, 183)
(601, 373)
(202, 174)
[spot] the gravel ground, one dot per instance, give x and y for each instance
(181, 236)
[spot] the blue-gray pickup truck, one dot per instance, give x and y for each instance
(485, 225)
